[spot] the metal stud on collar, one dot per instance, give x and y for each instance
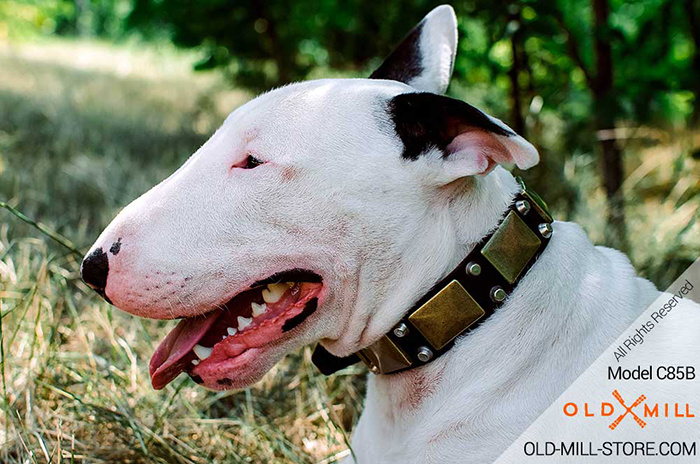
(545, 229)
(401, 330)
(425, 354)
(498, 294)
(473, 268)
(523, 206)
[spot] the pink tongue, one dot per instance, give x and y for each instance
(170, 358)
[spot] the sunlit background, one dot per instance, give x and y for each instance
(101, 99)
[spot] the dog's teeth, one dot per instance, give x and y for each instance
(274, 292)
(223, 337)
(195, 361)
(244, 322)
(231, 331)
(268, 297)
(202, 352)
(258, 309)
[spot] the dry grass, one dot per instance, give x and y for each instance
(662, 192)
(84, 129)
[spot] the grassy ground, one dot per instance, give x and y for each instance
(84, 129)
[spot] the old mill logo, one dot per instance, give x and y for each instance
(638, 410)
(628, 410)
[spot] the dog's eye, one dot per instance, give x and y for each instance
(252, 162)
(249, 163)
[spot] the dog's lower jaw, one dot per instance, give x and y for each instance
(250, 367)
(471, 403)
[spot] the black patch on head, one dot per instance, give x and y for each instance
(299, 318)
(116, 246)
(196, 379)
(94, 270)
(405, 62)
(225, 382)
(427, 120)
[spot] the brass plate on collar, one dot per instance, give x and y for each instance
(383, 356)
(536, 201)
(511, 247)
(446, 315)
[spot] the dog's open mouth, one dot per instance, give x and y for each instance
(250, 320)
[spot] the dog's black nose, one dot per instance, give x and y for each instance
(94, 270)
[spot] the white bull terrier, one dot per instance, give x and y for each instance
(322, 212)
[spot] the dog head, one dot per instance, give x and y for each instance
(318, 211)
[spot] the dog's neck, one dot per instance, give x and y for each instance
(504, 374)
(476, 208)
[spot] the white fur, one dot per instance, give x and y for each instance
(438, 45)
(336, 197)
(470, 404)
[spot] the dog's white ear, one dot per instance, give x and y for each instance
(425, 57)
(471, 142)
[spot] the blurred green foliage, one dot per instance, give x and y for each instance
(97, 18)
(264, 44)
(534, 63)
(87, 125)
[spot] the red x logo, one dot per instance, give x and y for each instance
(628, 410)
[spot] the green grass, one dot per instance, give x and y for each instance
(84, 129)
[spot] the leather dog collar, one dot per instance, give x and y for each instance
(468, 296)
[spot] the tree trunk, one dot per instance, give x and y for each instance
(275, 48)
(514, 74)
(605, 109)
(691, 11)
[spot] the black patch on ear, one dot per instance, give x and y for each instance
(404, 63)
(299, 318)
(427, 120)
(225, 382)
